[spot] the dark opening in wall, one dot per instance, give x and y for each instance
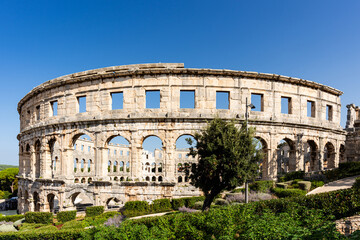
(37, 112)
(311, 109)
(153, 99)
(258, 101)
(53, 108)
(329, 112)
(187, 99)
(81, 104)
(286, 107)
(117, 100)
(222, 100)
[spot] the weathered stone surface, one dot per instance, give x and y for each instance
(46, 140)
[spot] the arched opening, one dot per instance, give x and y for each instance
(113, 203)
(83, 180)
(152, 154)
(90, 180)
(80, 201)
(36, 200)
(179, 179)
(76, 180)
(160, 179)
(117, 146)
(83, 153)
(311, 161)
(261, 145)
(153, 179)
(115, 178)
(109, 166)
(26, 198)
(286, 160)
(179, 168)
(147, 179)
(121, 179)
(329, 156)
(54, 149)
(53, 202)
(37, 158)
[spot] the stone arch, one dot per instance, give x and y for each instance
(37, 147)
(329, 156)
(75, 136)
(113, 202)
(111, 136)
(52, 202)
(84, 197)
(311, 159)
(263, 165)
(26, 201)
(36, 201)
(286, 155)
(160, 178)
(182, 135)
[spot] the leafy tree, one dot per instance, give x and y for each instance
(227, 158)
(8, 180)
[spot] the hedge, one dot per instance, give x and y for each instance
(282, 193)
(347, 169)
(160, 205)
(39, 217)
(66, 216)
(94, 211)
(292, 176)
(305, 185)
(177, 203)
(261, 186)
(46, 235)
(11, 218)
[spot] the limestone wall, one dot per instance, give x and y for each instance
(42, 127)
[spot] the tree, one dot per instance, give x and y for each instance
(8, 180)
(227, 157)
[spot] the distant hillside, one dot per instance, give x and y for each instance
(3, 166)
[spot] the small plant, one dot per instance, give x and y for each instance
(115, 221)
(94, 211)
(39, 217)
(66, 216)
(186, 210)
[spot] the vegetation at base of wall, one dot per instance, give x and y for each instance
(39, 217)
(94, 211)
(261, 186)
(283, 193)
(160, 205)
(291, 176)
(11, 218)
(345, 170)
(66, 216)
(8, 182)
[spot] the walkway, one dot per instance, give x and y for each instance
(336, 185)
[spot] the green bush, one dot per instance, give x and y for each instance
(282, 193)
(11, 218)
(94, 211)
(74, 224)
(293, 175)
(177, 203)
(356, 185)
(347, 169)
(305, 185)
(238, 190)
(198, 205)
(316, 184)
(39, 217)
(43, 235)
(136, 208)
(160, 205)
(46, 228)
(261, 186)
(190, 201)
(66, 216)
(220, 201)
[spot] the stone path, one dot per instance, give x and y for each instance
(336, 185)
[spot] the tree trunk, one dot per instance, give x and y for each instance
(209, 199)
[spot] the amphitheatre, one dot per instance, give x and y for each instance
(297, 125)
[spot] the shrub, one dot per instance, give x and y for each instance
(220, 201)
(74, 224)
(46, 228)
(66, 216)
(136, 208)
(177, 203)
(294, 175)
(305, 185)
(39, 217)
(238, 190)
(94, 211)
(261, 186)
(347, 169)
(316, 184)
(356, 185)
(33, 235)
(198, 205)
(11, 218)
(107, 215)
(282, 193)
(161, 205)
(190, 201)
(282, 185)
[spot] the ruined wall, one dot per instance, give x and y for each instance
(50, 115)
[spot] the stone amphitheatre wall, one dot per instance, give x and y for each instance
(48, 134)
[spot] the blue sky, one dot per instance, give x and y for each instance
(41, 40)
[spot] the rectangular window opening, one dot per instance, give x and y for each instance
(258, 101)
(286, 105)
(187, 99)
(54, 108)
(117, 100)
(329, 112)
(153, 99)
(222, 100)
(81, 104)
(37, 112)
(311, 109)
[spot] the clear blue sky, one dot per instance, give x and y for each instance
(40, 40)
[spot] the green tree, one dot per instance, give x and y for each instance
(227, 157)
(8, 180)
